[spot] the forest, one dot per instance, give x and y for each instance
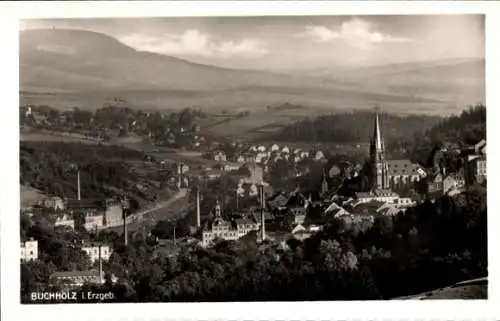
(105, 171)
(354, 127)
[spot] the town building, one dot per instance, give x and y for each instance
(300, 232)
(55, 203)
(384, 196)
(298, 214)
(92, 251)
(65, 221)
(319, 155)
(76, 279)
(403, 172)
(220, 156)
(220, 228)
(475, 164)
(336, 210)
(439, 184)
(29, 250)
(98, 214)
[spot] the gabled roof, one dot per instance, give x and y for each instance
(267, 216)
(278, 236)
(299, 210)
(241, 221)
(90, 273)
(298, 228)
(332, 207)
(85, 204)
(367, 208)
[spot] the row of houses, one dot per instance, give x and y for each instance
(29, 251)
(98, 214)
(257, 155)
(474, 170)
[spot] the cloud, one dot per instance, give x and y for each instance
(356, 32)
(197, 43)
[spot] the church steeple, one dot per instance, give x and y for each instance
(377, 138)
(324, 184)
(380, 172)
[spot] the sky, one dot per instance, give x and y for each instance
(293, 42)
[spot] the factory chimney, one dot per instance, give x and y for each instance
(78, 183)
(100, 263)
(198, 223)
(262, 216)
(125, 241)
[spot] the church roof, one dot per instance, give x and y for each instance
(241, 221)
(402, 167)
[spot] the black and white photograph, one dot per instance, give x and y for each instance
(252, 158)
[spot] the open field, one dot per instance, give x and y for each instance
(54, 137)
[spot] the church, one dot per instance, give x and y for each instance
(389, 174)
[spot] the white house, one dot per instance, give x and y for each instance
(319, 155)
(92, 251)
(220, 157)
(65, 220)
(29, 250)
(275, 148)
(260, 157)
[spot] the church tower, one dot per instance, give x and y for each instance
(378, 162)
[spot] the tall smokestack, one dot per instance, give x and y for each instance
(125, 236)
(198, 223)
(78, 183)
(100, 263)
(262, 217)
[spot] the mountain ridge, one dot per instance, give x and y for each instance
(62, 67)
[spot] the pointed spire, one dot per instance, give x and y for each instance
(377, 138)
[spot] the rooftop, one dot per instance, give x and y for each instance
(62, 274)
(402, 167)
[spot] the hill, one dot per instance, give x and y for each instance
(461, 81)
(63, 68)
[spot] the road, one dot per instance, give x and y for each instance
(161, 211)
(158, 206)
